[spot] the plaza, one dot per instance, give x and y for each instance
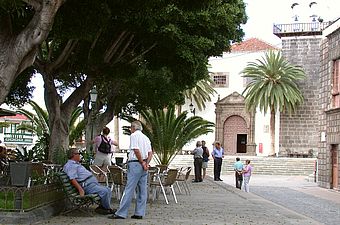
(217, 203)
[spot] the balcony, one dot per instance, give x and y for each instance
(299, 29)
(15, 138)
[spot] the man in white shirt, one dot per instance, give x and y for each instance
(137, 174)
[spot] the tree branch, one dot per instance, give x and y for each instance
(124, 49)
(35, 32)
(71, 44)
(36, 4)
(94, 43)
(143, 53)
(78, 95)
(111, 51)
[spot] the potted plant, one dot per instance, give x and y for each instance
(168, 133)
(21, 168)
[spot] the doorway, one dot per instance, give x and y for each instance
(241, 143)
(335, 167)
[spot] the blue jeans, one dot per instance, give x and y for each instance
(93, 187)
(136, 181)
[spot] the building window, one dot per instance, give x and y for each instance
(221, 79)
(336, 84)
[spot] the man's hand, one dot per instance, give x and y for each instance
(81, 192)
(145, 166)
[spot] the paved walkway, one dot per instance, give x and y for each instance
(295, 193)
(210, 203)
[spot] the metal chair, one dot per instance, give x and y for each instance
(117, 179)
(182, 178)
(100, 174)
(165, 181)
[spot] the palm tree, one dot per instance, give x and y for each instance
(273, 87)
(39, 126)
(168, 133)
(201, 92)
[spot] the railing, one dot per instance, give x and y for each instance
(18, 138)
(25, 199)
(304, 29)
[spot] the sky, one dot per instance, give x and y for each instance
(262, 14)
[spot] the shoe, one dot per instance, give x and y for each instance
(136, 217)
(103, 211)
(115, 217)
(216, 180)
(195, 181)
(220, 179)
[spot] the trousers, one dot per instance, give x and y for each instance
(91, 186)
(198, 169)
(136, 181)
(217, 168)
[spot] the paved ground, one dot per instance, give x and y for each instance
(297, 194)
(209, 203)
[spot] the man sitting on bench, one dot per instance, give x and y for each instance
(84, 181)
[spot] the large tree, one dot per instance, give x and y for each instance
(273, 87)
(24, 25)
(138, 53)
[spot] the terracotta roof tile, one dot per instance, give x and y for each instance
(251, 45)
(17, 117)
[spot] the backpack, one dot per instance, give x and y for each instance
(105, 146)
(205, 153)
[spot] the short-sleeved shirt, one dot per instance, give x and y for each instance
(75, 170)
(248, 173)
(98, 140)
(217, 153)
(139, 141)
(238, 166)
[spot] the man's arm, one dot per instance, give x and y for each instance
(75, 183)
(150, 153)
(140, 159)
(213, 154)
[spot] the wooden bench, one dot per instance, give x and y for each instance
(72, 194)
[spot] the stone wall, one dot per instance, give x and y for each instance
(329, 118)
(299, 132)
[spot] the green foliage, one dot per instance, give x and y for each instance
(201, 92)
(21, 91)
(40, 126)
(273, 84)
(32, 155)
(168, 133)
(59, 156)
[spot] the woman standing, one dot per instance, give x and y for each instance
(205, 159)
(247, 174)
(198, 159)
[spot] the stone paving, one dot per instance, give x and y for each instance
(210, 202)
(295, 193)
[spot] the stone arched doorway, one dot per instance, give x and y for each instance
(235, 127)
(235, 134)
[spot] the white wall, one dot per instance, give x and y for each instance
(233, 63)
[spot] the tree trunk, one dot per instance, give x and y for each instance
(17, 52)
(272, 132)
(60, 113)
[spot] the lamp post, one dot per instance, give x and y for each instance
(192, 108)
(93, 99)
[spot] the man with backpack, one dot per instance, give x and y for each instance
(103, 148)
